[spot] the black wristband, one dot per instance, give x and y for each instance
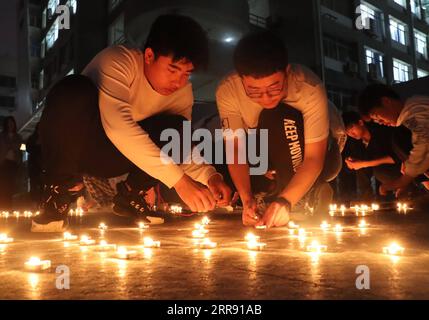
(283, 202)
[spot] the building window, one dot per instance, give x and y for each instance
(72, 4)
(35, 49)
(402, 3)
(374, 63)
(372, 18)
(398, 31)
(52, 6)
(401, 71)
(422, 73)
(421, 43)
(416, 9)
(116, 31)
(7, 102)
(44, 18)
(113, 4)
(41, 79)
(7, 82)
(43, 49)
(52, 35)
(338, 50)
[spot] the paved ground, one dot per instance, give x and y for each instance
(176, 270)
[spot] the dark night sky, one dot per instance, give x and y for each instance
(8, 27)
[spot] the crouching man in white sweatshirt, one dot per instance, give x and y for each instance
(108, 121)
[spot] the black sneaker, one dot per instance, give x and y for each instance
(132, 203)
(54, 209)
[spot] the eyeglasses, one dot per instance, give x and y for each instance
(274, 92)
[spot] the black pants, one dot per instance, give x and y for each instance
(286, 149)
(74, 142)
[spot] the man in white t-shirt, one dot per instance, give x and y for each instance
(264, 81)
(384, 106)
(108, 122)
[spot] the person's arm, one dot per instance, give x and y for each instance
(307, 173)
(231, 119)
(379, 162)
(113, 71)
(357, 164)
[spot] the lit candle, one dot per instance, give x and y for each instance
(255, 245)
(325, 226)
(86, 240)
(198, 234)
(124, 253)
(206, 244)
(5, 239)
(292, 225)
(201, 228)
(150, 243)
(205, 221)
(67, 236)
(16, 214)
(302, 233)
(176, 208)
(332, 213)
(35, 264)
(338, 228)
(333, 207)
(343, 209)
(394, 249)
(102, 226)
(363, 224)
(142, 226)
(79, 212)
(104, 246)
(253, 242)
(375, 207)
(316, 247)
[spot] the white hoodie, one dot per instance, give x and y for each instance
(415, 116)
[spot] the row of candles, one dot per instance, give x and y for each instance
(363, 209)
(18, 214)
(201, 241)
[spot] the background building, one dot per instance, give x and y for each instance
(349, 43)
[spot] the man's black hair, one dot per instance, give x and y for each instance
(351, 118)
(181, 37)
(371, 96)
(260, 54)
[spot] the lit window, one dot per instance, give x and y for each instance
(422, 73)
(73, 5)
(52, 34)
(52, 6)
(398, 31)
(421, 42)
(415, 8)
(366, 13)
(402, 3)
(401, 71)
(374, 57)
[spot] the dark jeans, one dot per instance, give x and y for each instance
(282, 122)
(74, 142)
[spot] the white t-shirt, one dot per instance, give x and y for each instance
(306, 93)
(415, 116)
(126, 97)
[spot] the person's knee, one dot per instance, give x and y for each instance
(156, 125)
